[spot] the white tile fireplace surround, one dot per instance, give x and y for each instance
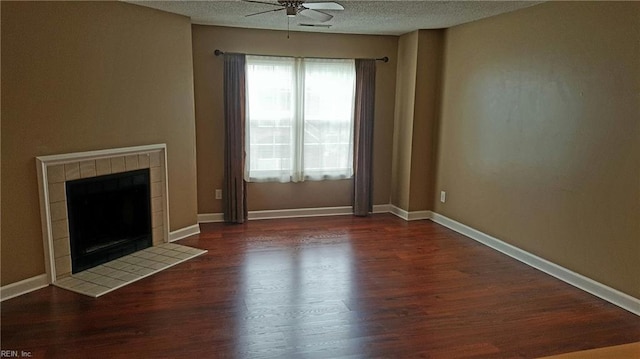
(53, 173)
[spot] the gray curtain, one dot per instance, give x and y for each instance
(235, 188)
(363, 146)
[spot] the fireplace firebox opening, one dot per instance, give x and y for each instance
(109, 217)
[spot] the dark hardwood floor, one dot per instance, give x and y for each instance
(331, 287)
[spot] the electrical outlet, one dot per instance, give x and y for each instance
(218, 194)
(443, 196)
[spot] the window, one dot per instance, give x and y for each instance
(299, 119)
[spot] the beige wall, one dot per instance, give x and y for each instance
(427, 106)
(209, 112)
(540, 134)
(79, 76)
(404, 112)
(416, 113)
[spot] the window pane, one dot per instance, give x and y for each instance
(328, 117)
(270, 112)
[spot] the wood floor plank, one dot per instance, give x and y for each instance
(327, 287)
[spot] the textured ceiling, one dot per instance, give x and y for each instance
(358, 17)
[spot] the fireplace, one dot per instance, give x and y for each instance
(109, 217)
(99, 237)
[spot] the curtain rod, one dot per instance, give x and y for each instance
(220, 53)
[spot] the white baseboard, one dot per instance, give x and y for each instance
(293, 213)
(600, 290)
(23, 287)
(300, 212)
(381, 208)
(210, 217)
(399, 212)
(184, 232)
(410, 216)
(317, 212)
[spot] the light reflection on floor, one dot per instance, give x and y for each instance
(294, 296)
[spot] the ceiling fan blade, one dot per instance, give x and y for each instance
(323, 6)
(264, 12)
(263, 2)
(315, 14)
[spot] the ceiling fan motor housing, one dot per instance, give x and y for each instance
(293, 7)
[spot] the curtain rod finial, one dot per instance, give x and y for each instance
(218, 52)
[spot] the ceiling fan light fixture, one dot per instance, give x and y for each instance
(292, 11)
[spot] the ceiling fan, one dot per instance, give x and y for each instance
(297, 7)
